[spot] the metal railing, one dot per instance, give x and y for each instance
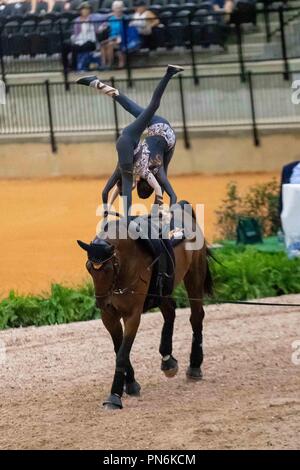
(217, 103)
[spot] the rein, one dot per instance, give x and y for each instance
(113, 289)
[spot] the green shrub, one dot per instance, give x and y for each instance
(227, 215)
(249, 274)
(63, 305)
(261, 201)
(242, 273)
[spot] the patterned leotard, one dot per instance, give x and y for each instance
(142, 152)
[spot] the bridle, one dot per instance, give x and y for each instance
(113, 289)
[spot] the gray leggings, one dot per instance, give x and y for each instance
(135, 110)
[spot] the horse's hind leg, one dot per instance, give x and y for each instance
(168, 364)
(195, 290)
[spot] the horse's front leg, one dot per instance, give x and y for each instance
(169, 364)
(112, 323)
(124, 373)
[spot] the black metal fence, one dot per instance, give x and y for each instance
(217, 103)
(31, 47)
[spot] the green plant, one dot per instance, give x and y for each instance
(260, 202)
(248, 274)
(63, 305)
(228, 213)
(242, 273)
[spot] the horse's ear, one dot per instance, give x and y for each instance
(83, 245)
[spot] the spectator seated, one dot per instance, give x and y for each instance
(117, 29)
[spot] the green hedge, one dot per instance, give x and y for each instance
(239, 274)
(245, 273)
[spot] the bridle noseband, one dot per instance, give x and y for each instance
(113, 289)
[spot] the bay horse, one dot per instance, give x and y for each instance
(121, 271)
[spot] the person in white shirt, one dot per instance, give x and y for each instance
(290, 207)
(84, 37)
(144, 20)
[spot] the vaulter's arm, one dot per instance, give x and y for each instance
(166, 185)
(110, 184)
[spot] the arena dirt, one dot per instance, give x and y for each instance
(41, 220)
(54, 379)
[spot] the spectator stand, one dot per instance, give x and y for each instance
(33, 42)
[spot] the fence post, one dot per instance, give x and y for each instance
(267, 21)
(3, 77)
(191, 38)
(185, 131)
(240, 51)
(64, 58)
(117, 132)
(253, 116)
(128, 68)
(286, 71)
(52, 135)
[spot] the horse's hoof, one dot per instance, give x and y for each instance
(113, 402)
(133, 389)
(194, 373)
(169, 367)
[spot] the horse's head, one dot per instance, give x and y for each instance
(101, 265)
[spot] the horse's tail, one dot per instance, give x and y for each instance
(208, 281)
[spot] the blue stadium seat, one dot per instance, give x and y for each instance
(52, 15)
(159, 36)
(28, 26)
(58, 6)
(196, 33)
(14, 43)
(38, 40)
(31, 17)
(202, 15)
(159, 2)
(213, 33)
(174, 7)
(206, 5)
(64, 27)
(182, 17)
(18, 8)
(28, 30)
(44, 26)
(11, 27)
(191, 6)
(166, 17)
(157, 9)
(176, 33)
(18, 18)
(41, 7)
(51, 42)
(69, 15)
(175, 2)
